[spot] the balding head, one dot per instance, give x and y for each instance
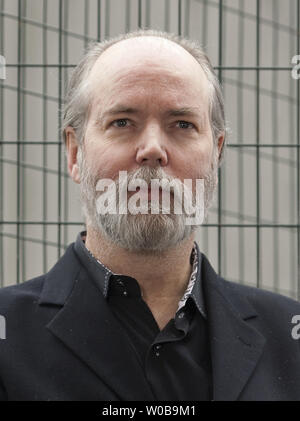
(137, 52)
(147, 51)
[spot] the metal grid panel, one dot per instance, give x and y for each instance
(253, 233)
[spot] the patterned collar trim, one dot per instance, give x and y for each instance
(192, 280)
(193, 290)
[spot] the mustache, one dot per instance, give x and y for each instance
(147, 174)
(152, 176)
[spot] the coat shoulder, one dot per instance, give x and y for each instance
(17, 295)
(239, 294)
(278, 315)
(261, 297)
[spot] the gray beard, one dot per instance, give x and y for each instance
(141, 233)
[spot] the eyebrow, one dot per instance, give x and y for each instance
(176, 112)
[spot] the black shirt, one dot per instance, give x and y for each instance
(176, 359)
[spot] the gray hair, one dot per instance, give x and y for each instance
(77, 100)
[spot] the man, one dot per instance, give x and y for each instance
(134, 310)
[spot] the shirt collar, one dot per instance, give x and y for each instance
(102, 274)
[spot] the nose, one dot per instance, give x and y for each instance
(151, 149)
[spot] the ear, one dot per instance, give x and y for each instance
(72, 145)
(221, 140)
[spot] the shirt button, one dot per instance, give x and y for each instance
(120, 282)
(156, 348)
(125, 293)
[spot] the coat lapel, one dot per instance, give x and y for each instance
(87, 327)
(235, 345)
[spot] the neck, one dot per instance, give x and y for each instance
(162, 277)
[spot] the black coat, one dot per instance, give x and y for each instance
(63, 342)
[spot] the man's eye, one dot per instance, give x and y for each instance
(185, 125)
(121, 122)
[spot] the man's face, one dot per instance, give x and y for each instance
(149, 116)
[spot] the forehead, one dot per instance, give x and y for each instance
(148, 70)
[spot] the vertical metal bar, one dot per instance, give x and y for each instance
(45, 127)
(127, 16)
(179, 17)
(19, 104)
(257, 142)
(219, 170)
(99, 20)
(298, 150)
(140, 13)
(275, 163)
(240, 152)
(291, 135)
(1, 152)
(59, 123)
(22, 192)
(167, 15)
